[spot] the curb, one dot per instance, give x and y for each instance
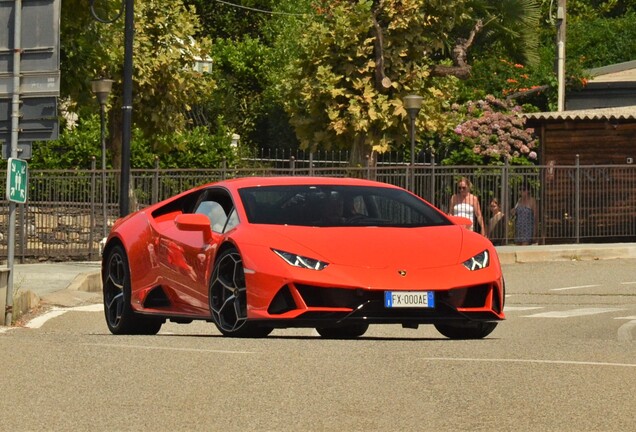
(88, 282)
(24, 301)
(540, 253)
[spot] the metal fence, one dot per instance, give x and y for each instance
(69, 212)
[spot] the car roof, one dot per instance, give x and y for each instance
(243, 182)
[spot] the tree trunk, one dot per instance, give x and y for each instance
(115, 141)
(361, 155)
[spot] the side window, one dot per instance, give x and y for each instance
(232, 220)
(214, 211)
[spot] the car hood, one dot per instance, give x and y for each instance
(370, 247)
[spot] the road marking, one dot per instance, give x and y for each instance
(556, 362)
(42, 319)
(146, 347)
(628, 283)
(573, 287)
(521, 308)
(55, 312)
(625, 331)
(573, 313)
(626, 318)
(97, 307)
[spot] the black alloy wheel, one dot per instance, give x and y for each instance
(120, 317)
(228, 298)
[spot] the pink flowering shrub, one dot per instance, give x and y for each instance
(493, 131)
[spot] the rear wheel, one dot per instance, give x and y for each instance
(228, 298)
(348, 331)
(120, 317)
(468, 330)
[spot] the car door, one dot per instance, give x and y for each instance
(187, 255)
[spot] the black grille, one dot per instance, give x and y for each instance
(315, 296)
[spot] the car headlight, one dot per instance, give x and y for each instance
(479, 261)
(301, 261)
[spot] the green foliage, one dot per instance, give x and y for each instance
(197, 148)
(602, 41)
(510, 29)
(224, 21)
(584, 10)
(74, 149)
(165, 83)
(192, 148)
(331, 92)
(499, 77)
(306, 73)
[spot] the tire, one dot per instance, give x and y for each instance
(468, 330)
(348, 331)
(228, 298)
(121, 319)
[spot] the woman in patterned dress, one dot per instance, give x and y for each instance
(525, 213)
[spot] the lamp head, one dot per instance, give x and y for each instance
(101, 88)
(413, 103)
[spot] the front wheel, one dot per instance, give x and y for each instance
(121, 319)
(348, 331)
(228, 298)
(468, 330)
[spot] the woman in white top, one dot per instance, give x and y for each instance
(465, 204)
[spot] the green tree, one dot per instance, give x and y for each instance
(357, 61)
(253, 40)
(166, 85)
(602, 41)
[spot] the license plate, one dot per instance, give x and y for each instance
(409, 299)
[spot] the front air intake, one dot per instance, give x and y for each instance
(282, 302)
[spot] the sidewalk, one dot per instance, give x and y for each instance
(73, 283)
(54, 284)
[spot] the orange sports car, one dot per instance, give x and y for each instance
(334, 254)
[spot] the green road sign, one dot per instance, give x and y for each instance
(17, 176)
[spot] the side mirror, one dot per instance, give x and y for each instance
(460, 220)
(194, 222)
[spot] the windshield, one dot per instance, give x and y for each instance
(334, 205)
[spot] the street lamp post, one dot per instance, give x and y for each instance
(101, 88)
(412, 104)
(127, 9)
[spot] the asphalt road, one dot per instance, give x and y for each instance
(565, 360)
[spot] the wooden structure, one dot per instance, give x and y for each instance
(598, 136)
(602, 201)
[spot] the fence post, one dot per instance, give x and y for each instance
(432, 197)
(155, 182)
(505, 196)
(292, 165)
(311, 163)
(22, 211)
(223, 169)
(367, 166)
(577, 200)
(91, 233)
